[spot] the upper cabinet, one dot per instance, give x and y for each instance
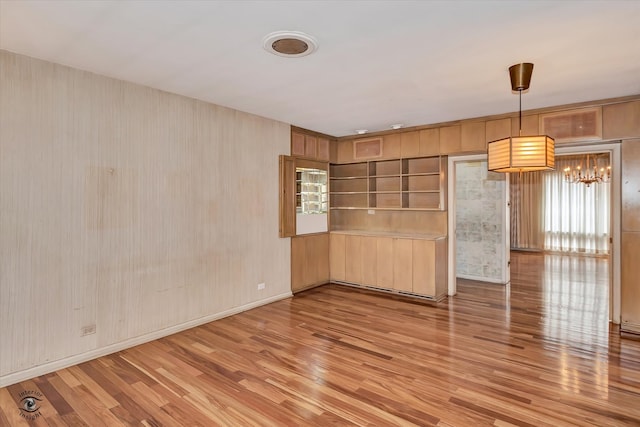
(621, 120)
(309, 146)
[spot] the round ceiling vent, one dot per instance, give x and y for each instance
(292, 44)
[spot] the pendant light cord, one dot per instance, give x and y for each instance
(520, 118)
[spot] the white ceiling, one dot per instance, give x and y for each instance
(378, 62)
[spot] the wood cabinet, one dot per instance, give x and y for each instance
(430, 142)
(450, 138)
(309, 146)
(413, 183)
(337, 259)
(309, 261)
(406, 264)
(385, 262)
(353, 264)
(621, 120)
(402, 265)
(473, 137)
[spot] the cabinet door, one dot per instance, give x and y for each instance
(310, 146)
(317, 259)
(430, 142)
(287, 199)
(337, 257)
(368, 260)
(450, 139)
(384, 264)
(353, 265)
(345, 151)
(402, 265)
(410, 144)
(323, 149)
(424, 256)
(497, 129)
(297, 144)
(298, 263)
(473, 138)
(621, 120)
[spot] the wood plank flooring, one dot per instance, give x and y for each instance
(537, 353)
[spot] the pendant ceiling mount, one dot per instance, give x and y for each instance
(520, 76)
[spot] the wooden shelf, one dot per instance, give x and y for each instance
(416, 183)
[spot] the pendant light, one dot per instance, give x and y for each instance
(521, 153)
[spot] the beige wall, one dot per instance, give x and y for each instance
(127, 208)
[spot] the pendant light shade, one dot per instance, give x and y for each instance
(521, 153)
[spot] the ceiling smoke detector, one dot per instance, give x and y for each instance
(290, 44)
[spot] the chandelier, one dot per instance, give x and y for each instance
(589, 175)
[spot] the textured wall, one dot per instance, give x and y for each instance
(480, 239)
(128, 209)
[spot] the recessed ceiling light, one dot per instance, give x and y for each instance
(397, 126)
(361, 131)
(290, 44)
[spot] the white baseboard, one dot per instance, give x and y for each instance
(632, 327)
(16, 377)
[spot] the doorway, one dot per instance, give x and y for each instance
(614, 258)
(478, 222)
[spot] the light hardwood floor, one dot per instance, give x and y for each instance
(537, 353)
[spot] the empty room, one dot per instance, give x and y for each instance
(313, 213)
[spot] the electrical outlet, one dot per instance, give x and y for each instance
(371, 212)
(261, 286)
(88, 330)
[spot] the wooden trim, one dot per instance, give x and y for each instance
(287, 199)
(557, 108)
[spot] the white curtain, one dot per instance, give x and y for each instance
(575, 217)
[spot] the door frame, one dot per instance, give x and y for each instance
(615, 153)
(451, 220)
(614, 148)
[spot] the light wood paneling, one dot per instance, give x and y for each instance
(385, 262)
(410, 144)
(127, 209)
(298, 263)
(631, 185)
(450, 139)
(309, 261)
(287, 196)
(498, 129)
(424, 260)
(473, 137)
(297, 144)
(621, 120)
(367, 148)
(530, 125)
(323, 149)
(337, 267)
(310, 146)
(402, 265)
(430, 142)
(392, 146)
(353, 257)
(630, 275)
(368, 259)
(426, 222)
(583, 124)
(345, 151)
